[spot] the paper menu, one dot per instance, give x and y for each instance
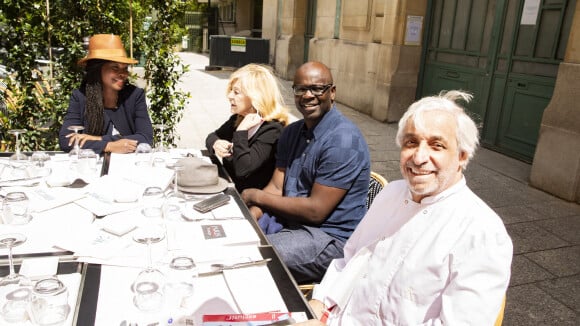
(249, 283)
(49, 227)
(218, 294)
(115, 302)
(110, 194)
(211, 233)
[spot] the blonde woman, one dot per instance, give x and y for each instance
(247, 141)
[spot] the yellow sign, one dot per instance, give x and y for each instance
(238, 44)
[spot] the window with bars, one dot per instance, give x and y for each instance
(227, 12)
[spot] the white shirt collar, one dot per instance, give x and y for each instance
(442, 195)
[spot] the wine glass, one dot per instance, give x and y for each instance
(76, 148)
(148, 286)
(9, 241)
(160, 147)
(176, 167)
(18, 156)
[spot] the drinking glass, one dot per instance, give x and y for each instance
(176, 167)
(87, 162)
(39, 159)
(18, 156)
(9, 241)
(180, 276)
(143, 155)
(76, 148)
(49, 304)
(148, 286)
(160, 147)
(152, 202)
(15, 305)
(15, 208)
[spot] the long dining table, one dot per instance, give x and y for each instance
(96, 295)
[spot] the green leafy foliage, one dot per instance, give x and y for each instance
(163, 68)
(38, 102)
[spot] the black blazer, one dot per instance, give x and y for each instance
(131, 119)
(253, 161)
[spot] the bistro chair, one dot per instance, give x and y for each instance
(376, 184)
(499, 319)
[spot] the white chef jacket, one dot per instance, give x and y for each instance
(444, 261)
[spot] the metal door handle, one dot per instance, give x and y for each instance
(452, 74)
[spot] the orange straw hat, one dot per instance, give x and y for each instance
(107, 47)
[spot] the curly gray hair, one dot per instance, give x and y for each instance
(467, 132)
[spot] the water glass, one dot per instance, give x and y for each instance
(152, 202)
(172, 209)
(180, 278)
(39, 159)
(87, 162)
(49, 304)
(15, 305)
(15, 208)
(143, 155)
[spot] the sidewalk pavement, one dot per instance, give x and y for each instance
(545, 283)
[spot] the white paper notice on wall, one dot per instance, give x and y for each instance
(413, 30)
(530, 12)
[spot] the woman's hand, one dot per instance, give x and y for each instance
(222, 148)
(249, 121)
(121, 146)
(81, 138)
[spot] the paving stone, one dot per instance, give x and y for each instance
(566, 289)
(567, 228)
(517, 214)
(560, 262)
(527, 238)
(528, 305)
(525, 271)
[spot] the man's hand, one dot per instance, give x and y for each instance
(249, 196)
(256, 212)
(317, 307)
(121, 146)
(222, 148)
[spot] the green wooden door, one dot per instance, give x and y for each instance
(505, 52)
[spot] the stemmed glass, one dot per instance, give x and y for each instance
(148, 286)
(76, 147)
(160, 147)
(18, 156)
(10, 241)
(176, 167)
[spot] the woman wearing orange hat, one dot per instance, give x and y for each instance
(112, 111)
